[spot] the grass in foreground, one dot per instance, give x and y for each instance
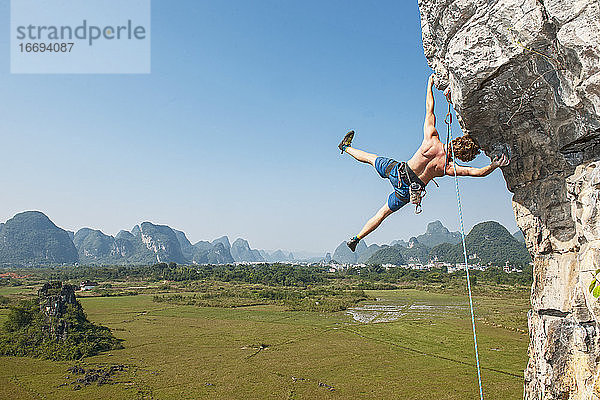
(264, 352)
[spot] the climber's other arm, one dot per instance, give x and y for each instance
(502, 161)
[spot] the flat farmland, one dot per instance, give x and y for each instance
(402, 344)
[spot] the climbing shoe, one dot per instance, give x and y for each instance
(352, 243)
(347, 141)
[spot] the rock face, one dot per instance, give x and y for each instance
(224, 240)
(54, 298)
(187, 249)
(525, 79)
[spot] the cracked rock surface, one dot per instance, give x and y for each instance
(525, 75)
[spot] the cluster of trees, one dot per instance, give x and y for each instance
(267, 274)
(283, 275)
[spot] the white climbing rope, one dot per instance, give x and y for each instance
(462, 232)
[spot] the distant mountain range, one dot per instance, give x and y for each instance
(31, 238)
(488, 242)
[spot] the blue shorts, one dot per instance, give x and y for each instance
(401, 194)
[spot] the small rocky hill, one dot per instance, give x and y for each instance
(53, 326)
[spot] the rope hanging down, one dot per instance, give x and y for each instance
(448, 122)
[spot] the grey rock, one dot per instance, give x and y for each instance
(524, 77)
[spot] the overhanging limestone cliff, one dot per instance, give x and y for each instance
(526, 75)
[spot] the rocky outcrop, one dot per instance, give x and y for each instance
(224, 240)
(525, 79)
(53, 326)
(54, 299)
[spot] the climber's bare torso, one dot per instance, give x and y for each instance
(429, 160)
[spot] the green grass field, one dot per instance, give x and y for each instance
(264, 352)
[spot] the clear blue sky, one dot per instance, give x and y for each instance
(235, 131)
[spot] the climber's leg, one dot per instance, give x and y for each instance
(375, 221)
(370, 226)
(361, 156)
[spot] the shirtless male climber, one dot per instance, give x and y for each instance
(431, 160)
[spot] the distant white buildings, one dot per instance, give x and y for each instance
(509, 269)
(87, 285)
(451, 268)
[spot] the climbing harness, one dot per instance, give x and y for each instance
(415, 189)
(462, 233)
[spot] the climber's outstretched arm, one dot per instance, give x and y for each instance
(429, 126)
(478, 172)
